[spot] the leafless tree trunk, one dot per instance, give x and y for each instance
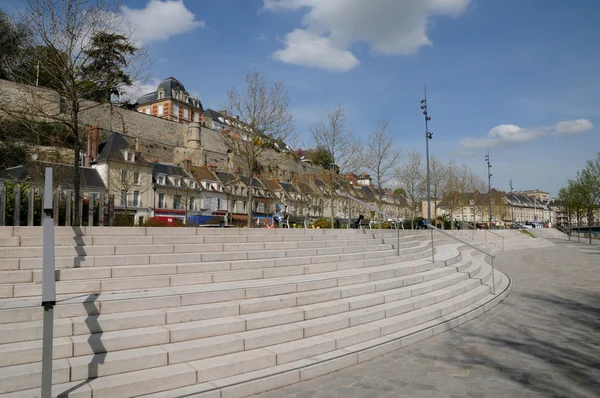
(265, 120)
(62, 32)
(438, 178)
(379, 156)
(410, 176)
(331, 133)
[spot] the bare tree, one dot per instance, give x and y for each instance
(331, 133)
(454, 192)
(129, 180)
(410, 177)
(263, 107)
(64, 49)
(379, 156)
(438, 178)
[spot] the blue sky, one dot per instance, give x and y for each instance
(518, 76)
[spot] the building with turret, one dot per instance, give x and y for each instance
(171, 101)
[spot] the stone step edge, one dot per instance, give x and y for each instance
(266, 347)
(271, 246)
(465, 281)
(181, 274)
(359, 354)
(454, 254)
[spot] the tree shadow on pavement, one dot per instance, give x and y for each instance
(551, 347)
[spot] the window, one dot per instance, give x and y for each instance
(176, 110)
(161, 200)
(161, 110)
(136, 177)
(192, 203)
(177, 202)
(218, 204)
(136, 198)
(161, 180)
(185, 114)
(123, 198)
(123, 175)
(177, 182)
(147, 111)
(196, 117)
(161, 94)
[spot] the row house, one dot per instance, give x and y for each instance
(125, 173)
(176, 193)
(524, 208)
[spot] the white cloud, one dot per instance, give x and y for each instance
(161, 20)
(572, 127)
(510, 134)
(308, 49)
(389, 27)
(132, 93)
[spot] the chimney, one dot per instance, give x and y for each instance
(237, 117)
(94, 142)
(187, 165)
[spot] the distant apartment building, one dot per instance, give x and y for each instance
(537, 194)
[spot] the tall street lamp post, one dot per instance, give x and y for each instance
(512, 208)
(428, 136)
(489, 166)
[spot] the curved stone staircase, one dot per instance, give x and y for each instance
(169, 312)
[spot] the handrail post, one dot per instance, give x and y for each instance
(432, 245)
(493, 278)
(397, 240)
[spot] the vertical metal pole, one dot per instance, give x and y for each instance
(17, 206)
(48, 288)
(397, 239)
(91, 205)
(56, 212)
(428, 136)
(68, 203)
(101, 210)
(348, 227)
(493, 278)
(30, 206)
(2, 204)
(489, 166)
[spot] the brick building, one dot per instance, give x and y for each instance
(172, 102)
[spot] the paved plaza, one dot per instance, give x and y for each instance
(542, 341)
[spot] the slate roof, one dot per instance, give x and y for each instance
(62, 175)
(168, 85)
(113, 147)
(203, 174)
(212, 114)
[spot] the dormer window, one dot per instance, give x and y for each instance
(161, 180)
(161, 94)
(177, 182)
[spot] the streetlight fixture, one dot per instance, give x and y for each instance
(512, 206)
(489, 166)
(428, 136)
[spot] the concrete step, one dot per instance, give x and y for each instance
(118, 246)
(103, 341)
(108, 258)
(22, 310)
(288, 342)
(279, 265)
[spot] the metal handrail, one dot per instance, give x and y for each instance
(376, 210)
(492, 256)
(498, 235)
(385, 215)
